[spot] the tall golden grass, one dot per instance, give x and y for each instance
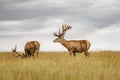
(102, 65)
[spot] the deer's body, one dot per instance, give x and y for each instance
(30, 49)
(77, 45)
(72, 46)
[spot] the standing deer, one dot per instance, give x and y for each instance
(72, 46)
(30, 49)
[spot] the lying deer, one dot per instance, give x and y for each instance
(72, 46)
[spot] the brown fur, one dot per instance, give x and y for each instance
(73, 46)
(30, 49)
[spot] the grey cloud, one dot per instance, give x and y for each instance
(22, 25)
(77, 11)
(32, 16)
(93, 13)
(28, 9)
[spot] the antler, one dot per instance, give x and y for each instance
(16, 54)
(64, 29)
(14, 50)
(59, 34)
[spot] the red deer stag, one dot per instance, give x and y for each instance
(73, 46)
(30, 49)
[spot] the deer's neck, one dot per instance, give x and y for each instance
(66, 43)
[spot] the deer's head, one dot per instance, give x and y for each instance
(60, 35)
(16, 54)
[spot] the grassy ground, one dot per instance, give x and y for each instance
(103, 65)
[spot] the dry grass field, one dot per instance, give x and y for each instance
(102, 65)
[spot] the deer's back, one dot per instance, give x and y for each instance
(80, 45)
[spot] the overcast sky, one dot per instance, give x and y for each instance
(24, 20)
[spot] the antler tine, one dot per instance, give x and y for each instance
(55, 34)
(59, 31)
(63, 27)
(15, 47)
(69, 27)
(66, 27)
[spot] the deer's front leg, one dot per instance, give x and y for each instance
(74, 54)
(70, 52)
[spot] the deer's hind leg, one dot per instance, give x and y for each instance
(86, 54)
